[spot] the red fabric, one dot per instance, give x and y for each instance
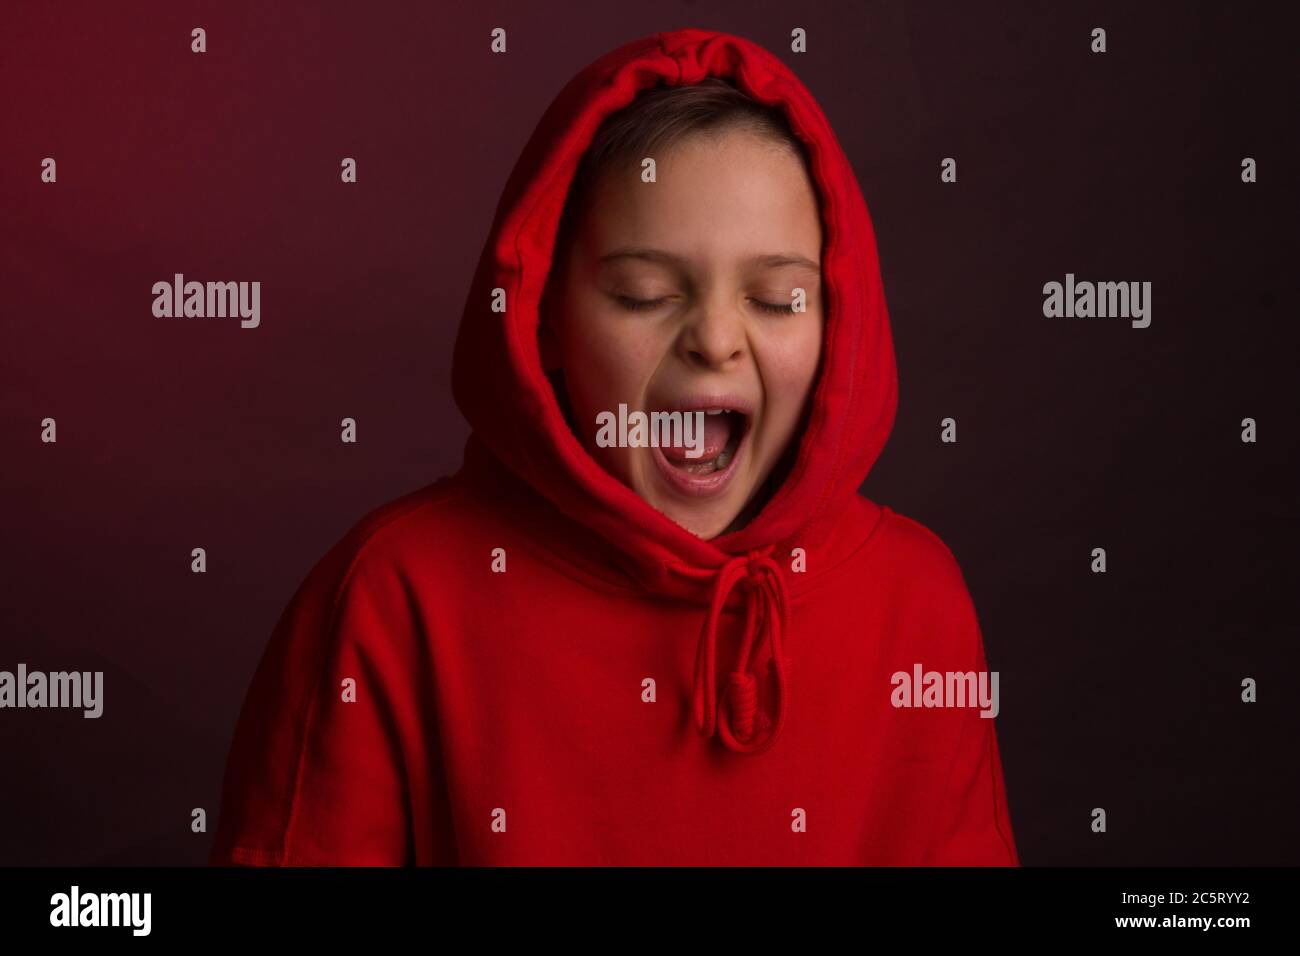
(518, 698)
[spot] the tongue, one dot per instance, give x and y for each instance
(717, 432)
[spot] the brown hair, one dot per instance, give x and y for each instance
(657, 119)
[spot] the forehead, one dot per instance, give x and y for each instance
(711, 194)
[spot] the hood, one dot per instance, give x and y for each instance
(499, 383)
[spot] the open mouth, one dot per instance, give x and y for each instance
(725, 430)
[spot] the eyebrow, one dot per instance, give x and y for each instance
(769, 261)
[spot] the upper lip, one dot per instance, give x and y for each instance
(700, 402)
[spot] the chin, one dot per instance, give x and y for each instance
(703, 523)
(701, 516)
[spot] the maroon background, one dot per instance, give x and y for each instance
(1118, 690)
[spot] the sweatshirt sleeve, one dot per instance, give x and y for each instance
(973, 827)
(316, 773)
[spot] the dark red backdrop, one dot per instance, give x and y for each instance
(1118, 690)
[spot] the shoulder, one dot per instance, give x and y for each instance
(919, 550)
(424, 517)
(412, 536)
(916, 594)
(924, 571)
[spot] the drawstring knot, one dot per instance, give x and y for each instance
(738, 720)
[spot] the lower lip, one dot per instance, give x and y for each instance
(700, 486)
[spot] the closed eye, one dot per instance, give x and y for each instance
(645, 305)
(639, 305)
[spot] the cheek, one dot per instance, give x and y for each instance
(607, 358)
(790, 371)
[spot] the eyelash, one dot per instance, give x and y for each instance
(639, 305)
(645, 305)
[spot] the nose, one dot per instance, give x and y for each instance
(713, 336)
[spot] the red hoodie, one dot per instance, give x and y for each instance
(526, 663)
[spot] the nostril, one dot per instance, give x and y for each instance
(713, 358)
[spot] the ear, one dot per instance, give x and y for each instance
(550, 348)
(548, 342)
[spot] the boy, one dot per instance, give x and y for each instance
(578, 652)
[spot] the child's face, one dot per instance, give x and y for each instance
(695, 318)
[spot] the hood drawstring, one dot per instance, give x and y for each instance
(738, 721)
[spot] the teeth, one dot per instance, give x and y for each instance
(713, 411)
(723, 460)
